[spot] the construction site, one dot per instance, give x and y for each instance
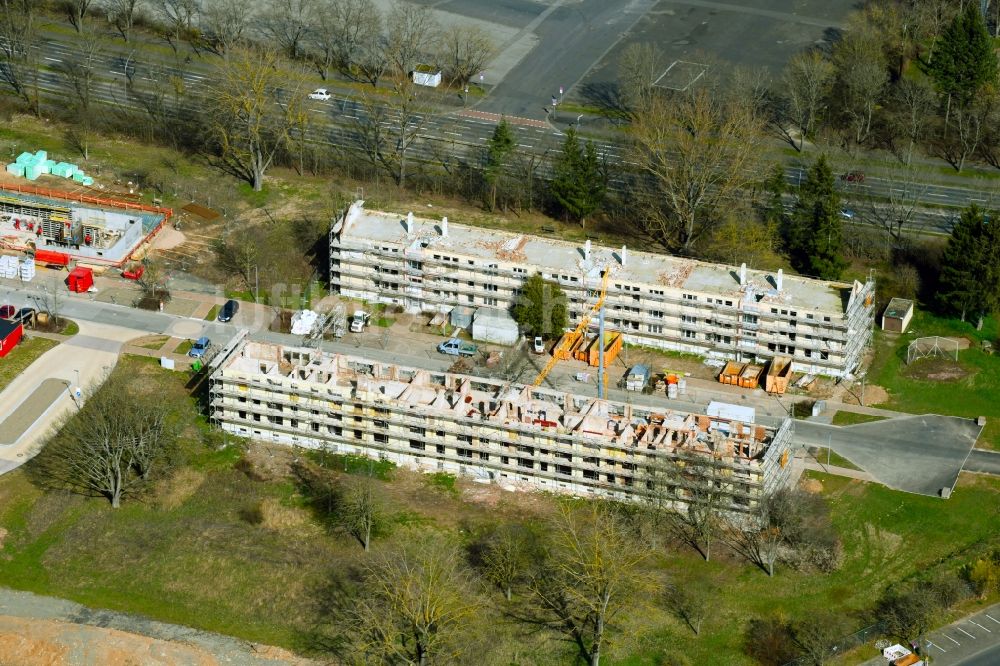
(59, 227)
(720, 312)
(519, 436)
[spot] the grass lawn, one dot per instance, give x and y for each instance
(212, 314)
(827, 456)
(70, 328)
(184, 347)
(843, 418)
(23, 355)
(155, 343)
(941, 386)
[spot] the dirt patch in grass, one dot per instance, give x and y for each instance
(173, 492)
(811, 485)
(149, 341)
(936, 370)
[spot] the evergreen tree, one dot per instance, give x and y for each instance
(969, 283)
(815, 234)
(541, 308)
(498, 151)
(578, 184)
(775, 186)
(964, 61)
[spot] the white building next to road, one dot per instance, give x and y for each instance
(658, 300)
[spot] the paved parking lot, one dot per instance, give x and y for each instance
(917, 454)
(971, 640)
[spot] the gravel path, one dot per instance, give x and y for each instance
(46, 630)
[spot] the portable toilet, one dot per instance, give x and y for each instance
(80, 279)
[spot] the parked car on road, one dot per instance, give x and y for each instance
(199, 347)
(229, 310)
(538, 345)
(320, 94)
(7, 311)
(853, 176)
(847, 213)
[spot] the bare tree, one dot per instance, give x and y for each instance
(507, 557)
(79, 76)
(464, 51)
(691, 602)
(19, 50)
(807, 80)
(257, 100)
(122, 15)
(287, 22)
(640, 65)
(412, 32)
(112, 446)
(388, 128)
(362, 512)
(179, 16)
(861, 79)
(414, 605)
(758, 535)
(344, 30)
(592, 578)
(971, 123)
(816, 635)
(76, 12)
(224, 23)
(694, 155)
(915, 102)
(894, 213)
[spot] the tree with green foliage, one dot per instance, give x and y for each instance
(498, 151)
(579, 183)
(541, 308)
(969, 282)
(814, 232)
(964, 61)
(775, 185)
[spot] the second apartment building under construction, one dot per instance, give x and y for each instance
(492, 430)
(656, 300)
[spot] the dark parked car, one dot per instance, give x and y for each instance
(853, 176)
(229, 310)
(7, 311)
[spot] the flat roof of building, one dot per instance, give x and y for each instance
(558, 256)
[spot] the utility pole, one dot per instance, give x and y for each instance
(601, 378)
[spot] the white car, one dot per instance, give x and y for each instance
(320, 94)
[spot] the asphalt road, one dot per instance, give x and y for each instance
(573, 37)
(987, 462)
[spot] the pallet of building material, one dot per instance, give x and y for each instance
(16, 169)
(731, 373)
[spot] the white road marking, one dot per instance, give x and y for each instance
(936, 194)
(965, 632)
(53, 59)
(979, 200)
(992, 618)
(951, 639)
(981, 626)
(523, 145)
(453, 133)
(937, 646)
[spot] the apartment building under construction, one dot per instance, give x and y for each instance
(657, 300)
(495, 431)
